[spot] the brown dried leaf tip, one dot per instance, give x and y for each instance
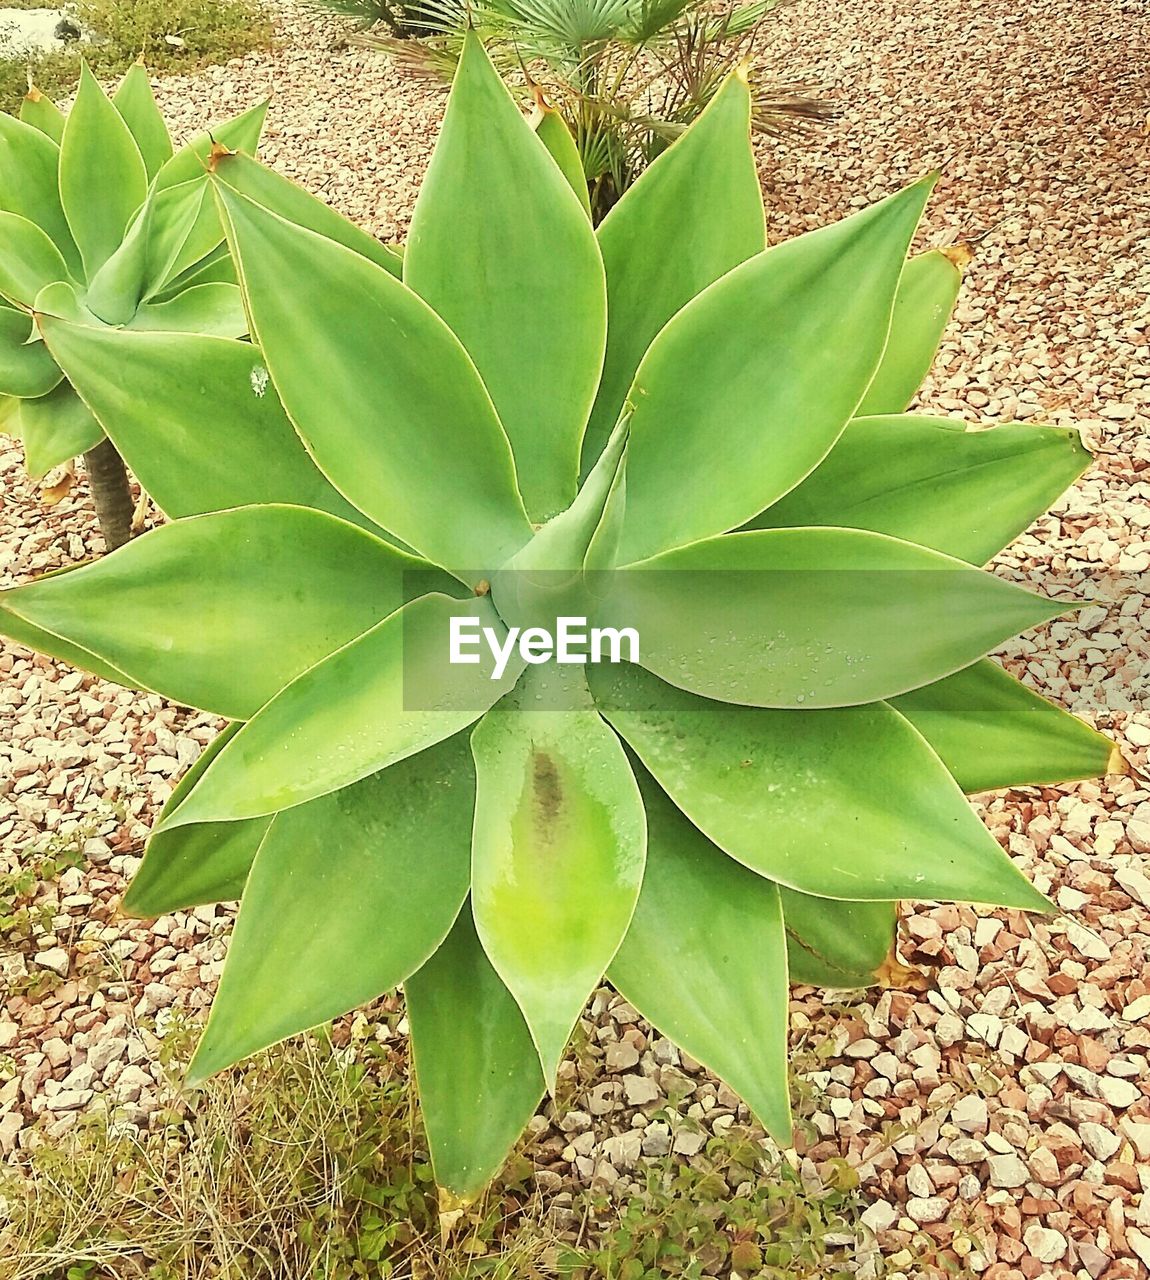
(216, 154)
(961, 254)
(51, 494)
(896, 976)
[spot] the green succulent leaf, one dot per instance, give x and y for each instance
(23, 632)
(318, 935)
(102, 176)
(927, 291)
(551, 129)
(558, 852)
(991, 731)
(385, 696)
(56, 428)
(226, 439)
(190, 866)
(705, 961)
(134, 101)
(29, 260)
(814, 617)
(242, 133)
(695, 214)
(501, 249)
(271, 191)
(476, 1066)
(965, 493)
(184, 229)
(546, 578)
(27, 369)
(29, 184)
(759, 375)
(114, 292)
(39, 111)
(835, 943)
(848, 803)
(213, 309)
(216, 268)
(174, 231)
(288, 586)
(435, 442)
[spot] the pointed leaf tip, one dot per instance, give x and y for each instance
(960, 255)
(217, 153)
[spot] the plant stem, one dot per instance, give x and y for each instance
(108, 478)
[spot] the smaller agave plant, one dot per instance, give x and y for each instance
(663, 425)
(102, 218)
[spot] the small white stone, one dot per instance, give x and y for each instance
(879, 1216)
(918, 1182)
(986, 930)
(1014, 1041)
(1086, 943)
(985, 1026)
(1140, 1243)
(1130, 878)
(656, 1139)
(886, 1064)
(948, 1030)
(1139, 1135)
(623, 1149)
(639, 1091)
(55, 959)
(104, 1052)
(621, 1056)
(927, 1209)
(970, 1114)
(1044, 1243)
(1118, 1093)
(688, 1143)
(966, 1151)
(1008, 1171)
(969, 1188)
(1136, 1010)
(69, 1100)
(1098, 1140)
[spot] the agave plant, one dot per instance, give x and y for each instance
(626, 76)
(98, 213)
(740, 805)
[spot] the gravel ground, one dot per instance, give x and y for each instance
(1000, 1122)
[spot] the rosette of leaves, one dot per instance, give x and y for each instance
(742, 807)
(102, 218)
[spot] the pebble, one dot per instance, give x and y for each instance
(1101, 1142)
(55, 959)
(970, 1114)
(925, 1210)
(640, 1091)
(1007, 1171)
(1044, 1244)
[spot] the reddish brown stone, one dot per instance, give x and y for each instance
(1123, 1175)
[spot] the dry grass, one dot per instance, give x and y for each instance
(300, 1164)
